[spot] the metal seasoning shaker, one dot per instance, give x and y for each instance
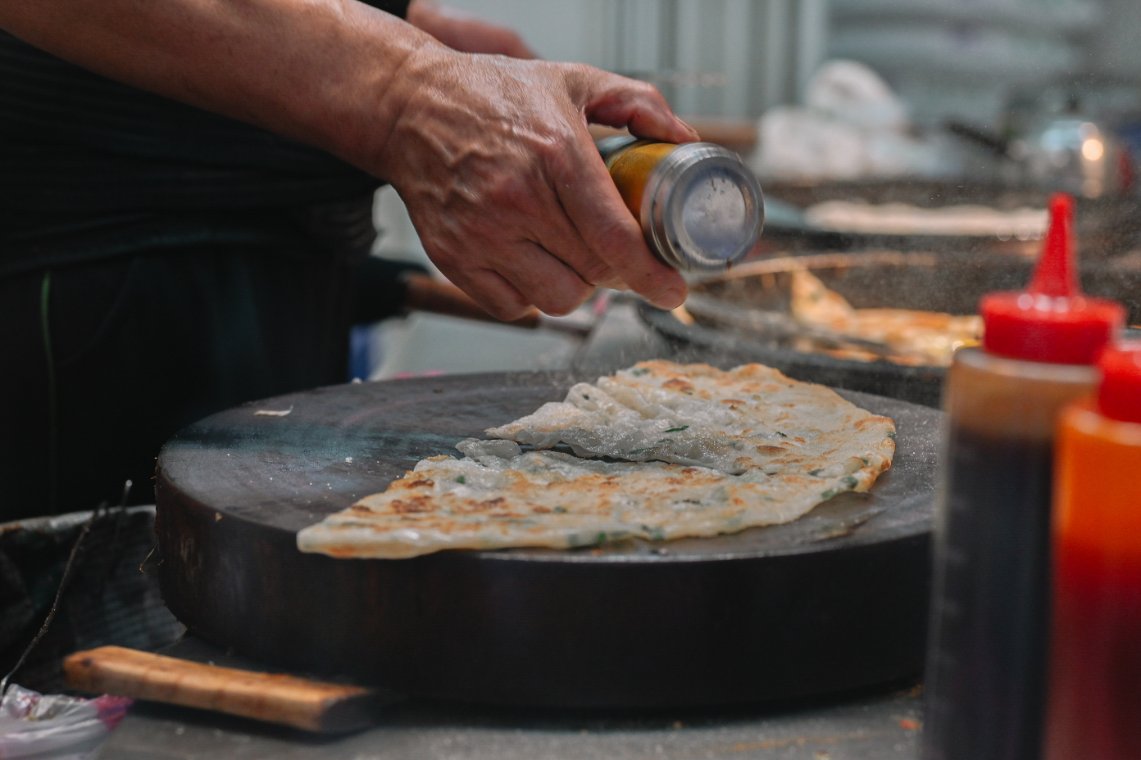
(1094, 702)
(986, 657)
(699, 205)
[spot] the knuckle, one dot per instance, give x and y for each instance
(507, 311)
(652, 93)
(595, 272)
(510, 189)
(618, 237)
(632, 89)
(564, 298)
(579, 73)
(439, 252)
(555, 156)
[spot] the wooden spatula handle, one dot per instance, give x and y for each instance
(283, 699)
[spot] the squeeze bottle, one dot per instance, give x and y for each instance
(1094, 703)
(985, 673)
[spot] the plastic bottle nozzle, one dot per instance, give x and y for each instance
(1119, 394)
(1051, 321)
(1055, 273)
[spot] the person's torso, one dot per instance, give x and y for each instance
(90, 167)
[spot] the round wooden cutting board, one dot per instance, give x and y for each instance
(834, 601)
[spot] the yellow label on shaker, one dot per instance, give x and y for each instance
(631, 169)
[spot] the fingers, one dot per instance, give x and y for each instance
(555, 287)
(617, 101)
(609, 232)
(516, 227)
(578, 219)
(552, 286)
(494, 294)
(589, 195)
(506, 187)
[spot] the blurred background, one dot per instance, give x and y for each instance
(837, 95)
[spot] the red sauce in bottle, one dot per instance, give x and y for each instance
(1094, 708)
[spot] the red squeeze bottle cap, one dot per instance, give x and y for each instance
(1119, 394)
(1051, 321)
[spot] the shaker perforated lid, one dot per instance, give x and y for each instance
(699, 205)
(1051, 321)
(1119, 394)
(704, 208)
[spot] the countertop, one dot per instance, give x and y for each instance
(875, 726)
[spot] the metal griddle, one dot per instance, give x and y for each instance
(834, 601)
(867, 279)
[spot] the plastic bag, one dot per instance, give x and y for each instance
(55, 726)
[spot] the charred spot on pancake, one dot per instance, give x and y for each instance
(679, 385)
(870, 422)
(411, 506)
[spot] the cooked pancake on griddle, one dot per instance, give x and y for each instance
(789, 446)
(913, 336)
(906, 219)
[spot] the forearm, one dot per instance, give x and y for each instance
(314, 70)
(491, 154)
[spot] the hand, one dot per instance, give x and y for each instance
(491, 154)
(464, 32)
(496, 165)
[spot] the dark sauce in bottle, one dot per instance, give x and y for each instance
(990, 618)
(997, 533)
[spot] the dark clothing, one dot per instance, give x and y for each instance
(91, 168)
(157, 264)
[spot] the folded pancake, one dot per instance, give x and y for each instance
(497, 496)
(733, 421)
